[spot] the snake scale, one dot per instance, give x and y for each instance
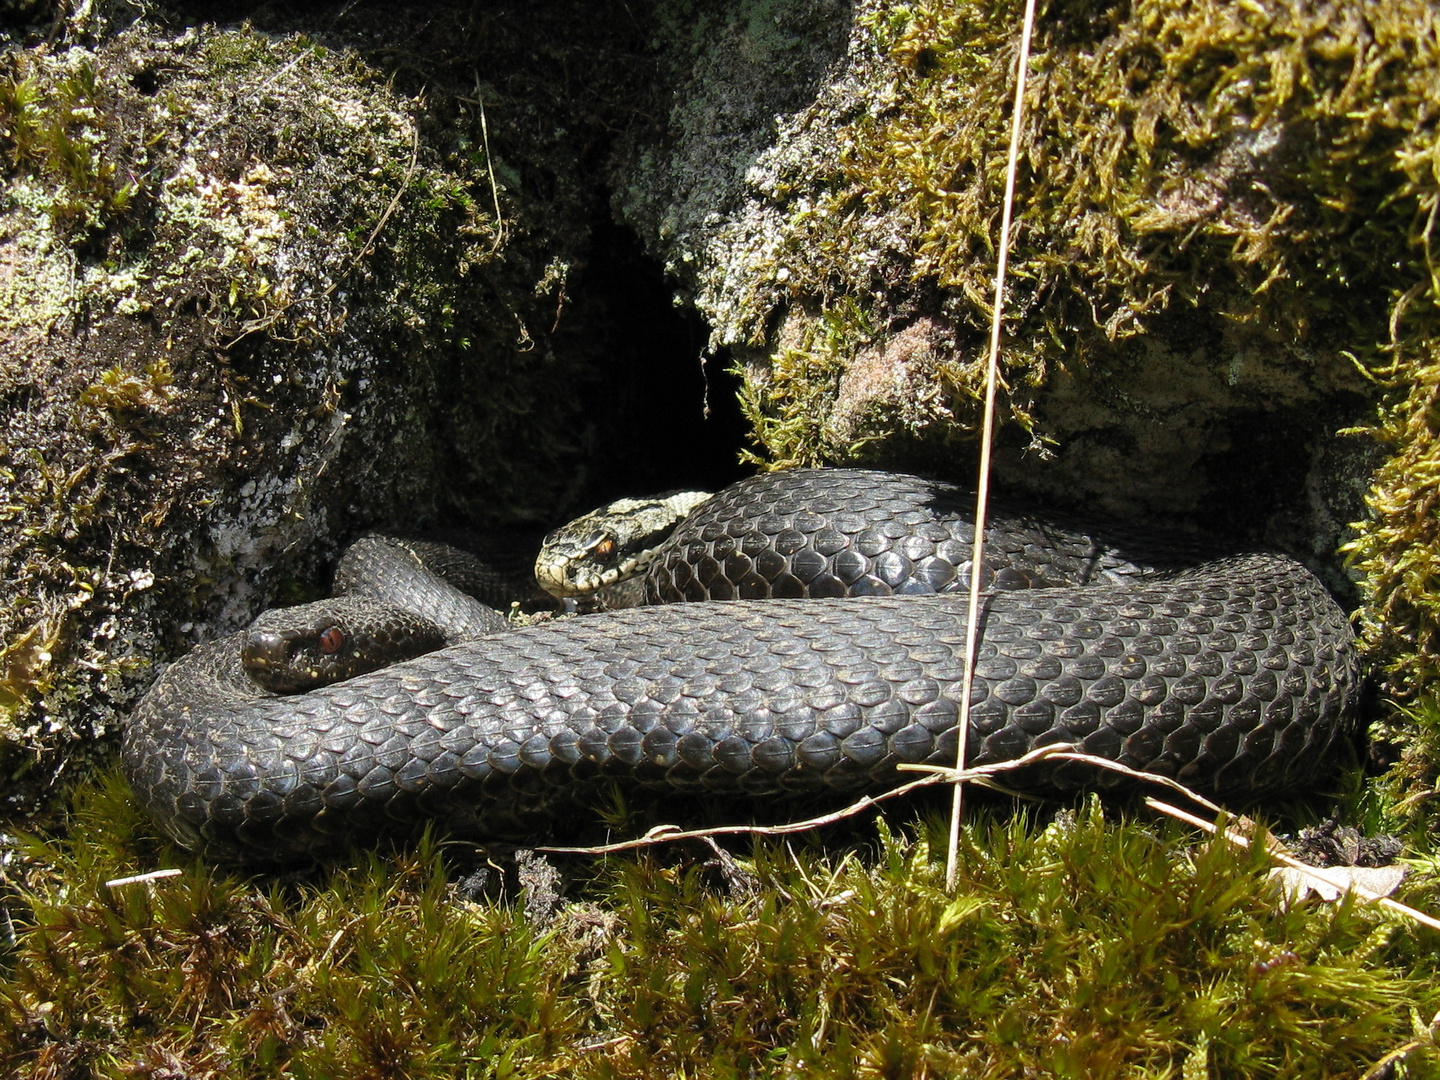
(1237, 675)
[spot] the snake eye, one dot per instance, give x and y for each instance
(601, 545)
(331, 640)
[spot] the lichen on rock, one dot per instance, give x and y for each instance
(258, 299)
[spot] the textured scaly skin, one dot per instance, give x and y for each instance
(1238, 677)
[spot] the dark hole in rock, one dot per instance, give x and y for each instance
(146, 80)
(668, 416)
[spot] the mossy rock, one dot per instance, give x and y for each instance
(258, 299)
(1196, 247)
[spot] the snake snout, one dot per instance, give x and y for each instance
(550, 573)
(267, 648)
(568, 568)
(274, 659)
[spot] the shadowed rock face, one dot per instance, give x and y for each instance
(270, 284)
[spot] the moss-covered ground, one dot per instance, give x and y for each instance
(1097, 944)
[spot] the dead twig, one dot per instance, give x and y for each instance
(665, 834)
(987, 430)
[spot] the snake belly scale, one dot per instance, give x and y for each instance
(1237, 675)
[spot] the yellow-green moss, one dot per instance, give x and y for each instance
(782, 401)
(1397, 551)
(1093, 946)
(50, 123)
(1248, 160)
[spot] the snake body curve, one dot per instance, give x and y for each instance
(1237, 675)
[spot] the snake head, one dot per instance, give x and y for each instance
(301, 658)
(578, 565)
(611, 544)
(292, 650)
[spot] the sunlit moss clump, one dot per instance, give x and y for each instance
(55, 130)
(1249, 163)
(1398, 551)
(1090, 947)
(802, 379)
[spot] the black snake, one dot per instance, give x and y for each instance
(1237, 675)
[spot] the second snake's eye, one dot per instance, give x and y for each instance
(601, 545)
(331, 640)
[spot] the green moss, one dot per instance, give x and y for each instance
(50, 126)
(1088, 947)
(782, 400)
(378, 971)
(25, 667)
(124, 393)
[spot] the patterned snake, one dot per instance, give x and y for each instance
(1236, 675)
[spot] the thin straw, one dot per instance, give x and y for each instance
(982, 489)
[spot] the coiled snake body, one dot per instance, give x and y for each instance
(1237, 675)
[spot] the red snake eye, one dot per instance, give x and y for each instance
(331, 639)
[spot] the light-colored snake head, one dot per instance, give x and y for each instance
(611, 544)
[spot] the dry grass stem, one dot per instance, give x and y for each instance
(987, 432)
